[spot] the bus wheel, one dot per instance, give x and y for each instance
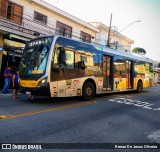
(139, 86)
(88, 91)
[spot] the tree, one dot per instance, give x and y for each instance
(159, 64)
(139, 50)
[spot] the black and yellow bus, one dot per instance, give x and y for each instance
(57, 66)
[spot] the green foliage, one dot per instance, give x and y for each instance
(139, 50)
(159, 64)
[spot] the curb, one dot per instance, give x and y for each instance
(5, 95)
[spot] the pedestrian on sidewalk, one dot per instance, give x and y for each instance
(15, 84)
(7, 80)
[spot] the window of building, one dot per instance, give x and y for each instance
(40, 17)
(63, 29)
(11, 11)
(85, 37)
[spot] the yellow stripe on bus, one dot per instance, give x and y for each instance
(29, 83)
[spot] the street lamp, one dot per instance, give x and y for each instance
(109, 36)
(129, 25)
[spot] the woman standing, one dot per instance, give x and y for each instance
(15, 84)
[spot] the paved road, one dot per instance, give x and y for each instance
(111, 118)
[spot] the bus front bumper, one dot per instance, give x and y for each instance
(38, 91)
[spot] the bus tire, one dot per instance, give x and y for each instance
(139, 86)
(88, 91)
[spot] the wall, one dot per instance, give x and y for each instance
(29, 22)
(102, 37)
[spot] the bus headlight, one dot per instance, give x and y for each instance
(43, 82)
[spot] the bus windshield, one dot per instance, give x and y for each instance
(35, 55)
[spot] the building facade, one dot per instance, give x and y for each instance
(116, 39)
(22, 20)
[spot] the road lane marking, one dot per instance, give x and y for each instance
(155, 136)
(45, 110)
(137, 103)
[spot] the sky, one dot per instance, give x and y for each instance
(145, 34)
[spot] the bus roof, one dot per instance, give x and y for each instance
(105, 49)
(130, 55)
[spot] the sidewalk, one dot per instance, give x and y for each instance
(10, 94)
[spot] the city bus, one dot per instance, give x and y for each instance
(58, 66)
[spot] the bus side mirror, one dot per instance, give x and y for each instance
(54, 68)
(81, 65)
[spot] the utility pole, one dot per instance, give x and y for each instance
(109, 32)
(57, 3)
(110, 27)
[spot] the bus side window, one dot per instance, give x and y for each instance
(59, 57)
(62, 57)
(56, 58)
(69, 59)
(81, 65)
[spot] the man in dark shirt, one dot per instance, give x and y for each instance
(7, 79)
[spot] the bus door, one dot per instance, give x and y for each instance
(107, 80)
(130, 76)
